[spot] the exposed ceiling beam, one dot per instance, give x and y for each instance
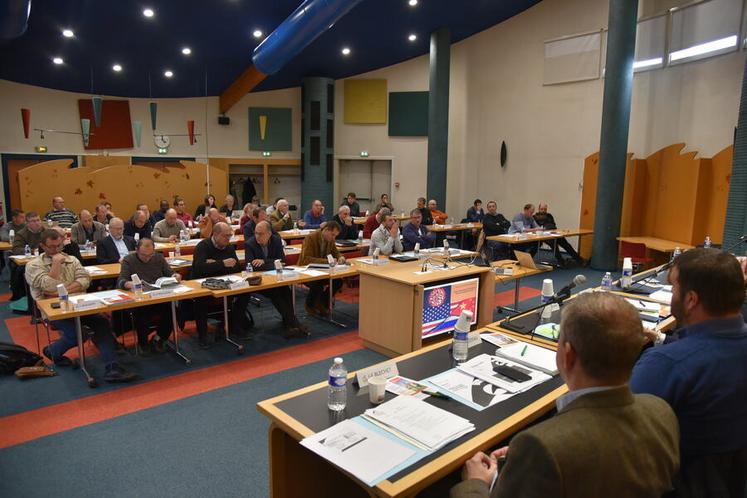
(244, 84)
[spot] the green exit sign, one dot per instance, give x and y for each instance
(266, 154)
(364, 153)
(163, 150)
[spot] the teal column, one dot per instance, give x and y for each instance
(613, 147)
(736, 208)
(438, 115)
(317, 143)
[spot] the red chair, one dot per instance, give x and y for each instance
(636, 252)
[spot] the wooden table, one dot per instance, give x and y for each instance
(295, 471)
(5, 246)
(391, 302)
(518, 273)
(656, 244)
(538, 237)
(294, 234)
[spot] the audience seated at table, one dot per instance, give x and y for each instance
(261, 251)
(494, 223)
(168, 229)
(246, 214)
(214, 256)
(348, 229)
(102, 215)
(386, 237)
(181, 212)
(87, 230)
(44, 273)
(439, 217)
(69, 247)
(475, 213)
(416, 233)
(60, 215)
(523, 222)
(352, 204)
(547, 222)
(29, 236)
(316, 247)
(228, 207)
(281, 218)
(149, 265)
(314, 217)
(209, 202)
(116, 246)
(138, 226)
(17, 223)
(604, 440)
(208, 221)
(149, 216)
(272, 207)
(702, 373)
(372, 223)
(161, 213)
(384, 203)
(425, 213)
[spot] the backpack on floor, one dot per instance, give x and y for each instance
(13, 357)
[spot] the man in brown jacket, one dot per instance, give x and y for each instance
(315, 249)
(604, 441)
(211, 218)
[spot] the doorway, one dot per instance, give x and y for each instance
(368, 178)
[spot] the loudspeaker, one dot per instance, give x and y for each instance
(224, 120)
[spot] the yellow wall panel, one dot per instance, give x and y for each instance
(365, 101)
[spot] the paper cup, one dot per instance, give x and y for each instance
(376, 389)
(171, 254)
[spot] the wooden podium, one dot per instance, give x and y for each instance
(391, 302)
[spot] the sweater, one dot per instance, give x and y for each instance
(149, 272)
(24, 237)
(205, 250)
(382, 240)
(162, 231)
(347, 232)
(312, 221)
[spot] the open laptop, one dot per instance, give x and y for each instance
(525, 259)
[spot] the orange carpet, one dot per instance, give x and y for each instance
(506, 298)
(30, 425)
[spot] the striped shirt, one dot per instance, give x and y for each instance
(63, 217)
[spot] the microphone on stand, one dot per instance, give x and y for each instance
(558, 298)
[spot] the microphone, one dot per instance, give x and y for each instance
(566, 291)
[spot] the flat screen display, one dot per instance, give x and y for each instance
(443, 303)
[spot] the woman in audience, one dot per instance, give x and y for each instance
(209, 203)
(228, 207)
(384, 204)
(248, 208)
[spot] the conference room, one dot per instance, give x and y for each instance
(382, 248)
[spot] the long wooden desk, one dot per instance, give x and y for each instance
(538, 237)
(518, 273)
(295, 471)
(391, 302)
(656, 244)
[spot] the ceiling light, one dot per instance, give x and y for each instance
(116, 68)
(186, 50)
(68, 33)
(257, 33)
(412, 37)
(345, 51)
(58, 60)
(168, 73)
(413, 3)
(148, 13)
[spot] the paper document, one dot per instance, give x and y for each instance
(179, 262)
(94, 269)
(662, 296)
(402, 386)
(365, 453)
(497, 339)
(172, 289)
(469, 390)
(483, 366)
(530, 356)
(313, 273)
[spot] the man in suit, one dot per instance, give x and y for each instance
(87, 230)
(415, 233)
(116, 246)
(262, 250)
(604, 441)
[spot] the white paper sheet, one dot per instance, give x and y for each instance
(482, 367)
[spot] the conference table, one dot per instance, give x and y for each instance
(657, 244)
(517, 273)
(296, 471)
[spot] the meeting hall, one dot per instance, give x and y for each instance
(356, 248)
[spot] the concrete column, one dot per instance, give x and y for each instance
(736, 208)
(317, 143)
(614, 137)
(438, 115)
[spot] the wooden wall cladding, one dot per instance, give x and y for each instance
(123, 185)
(115, 131)
(672, 195)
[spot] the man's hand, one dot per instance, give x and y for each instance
(172, 238)
(177, 276)
(286, 216)
(322, 211)
(394, 231)
(301, 223)
(258, 262)
(499, 453)
(229, 263)
(341, 260)
(481, 467)
(348, 221)
(58, 258)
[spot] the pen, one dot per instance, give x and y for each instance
(523, 350)
(436, 394)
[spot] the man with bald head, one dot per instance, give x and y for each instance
(116, 246)
(211, 218)
(169, 228)
(281, 218)
(314, 217)
(138, 226)
(214, 257)
(262, 250)
(87, 230)
(60, 214)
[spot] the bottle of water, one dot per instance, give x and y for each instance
(137, 237)
(607, 282)
(27, 250)
(11, 236)
(360, 235)
(627, 274)
(137, 287)
(248, 270)
(337, 390)
(177, 251)
(64, 297)
(707, 243)
(676, 253)
(461, 330)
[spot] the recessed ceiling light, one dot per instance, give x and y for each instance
(345, 51)
(413, 3)
(68, 33)
(186, 50)
(257, 33)
(412, 37)
(116, 68)
(148, 12)
(58, 60)
(168, 73)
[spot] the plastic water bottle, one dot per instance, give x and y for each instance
(64, 297)
(137, 286)
(707, 243)
(607, 282)
(375, 256)
(137, 238)
(360, 235)
(27, 251)
(177, 251)
(337, 391)
(11, 236)
(416, 249)
(461, 330)
(676, 253)
(446, 248)
(627, 273)
(248, 270)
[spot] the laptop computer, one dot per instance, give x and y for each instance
(525, 259)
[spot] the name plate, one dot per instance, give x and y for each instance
(238, 285)
(85, 304)
(473, 339)
(161, 292)
(387, 370)
(504, 271)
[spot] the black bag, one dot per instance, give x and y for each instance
(13, 357)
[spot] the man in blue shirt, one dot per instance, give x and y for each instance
(475, 213)
(314, 217)
(416, 233)
(524, 222)
(703, 374)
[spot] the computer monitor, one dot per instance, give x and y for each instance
(443, 303)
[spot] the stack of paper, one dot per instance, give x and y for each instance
(483, 367)
(418, 422)
(662, 296)
(94, 270)
(530, 356)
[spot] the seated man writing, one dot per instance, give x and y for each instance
(316, 247)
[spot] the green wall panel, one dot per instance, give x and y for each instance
(277, 131)
(408, 114)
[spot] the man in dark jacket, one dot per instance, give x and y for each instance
(547, 221)
(215, 257)
(116, 246)
(348, 229)
(261, 251)
(352, 204)
(494, 223)
(139, 225)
